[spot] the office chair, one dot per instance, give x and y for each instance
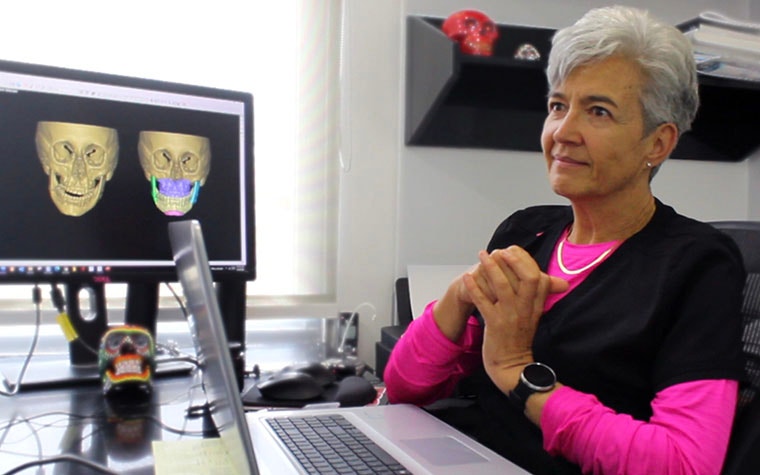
(744, 448)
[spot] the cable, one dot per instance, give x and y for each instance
(354, 314)
(56, 296)
(9, 389)
(179, 359)
(178, 356)
(36, 427)
(177, 297)
(62, 458)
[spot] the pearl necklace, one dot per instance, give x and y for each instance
(582, 269)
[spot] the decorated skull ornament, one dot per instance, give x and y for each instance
(79, 159)
(473, 30)
(127, 359)
(176, 165)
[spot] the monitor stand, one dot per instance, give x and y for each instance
(87, 311)
(89, 322)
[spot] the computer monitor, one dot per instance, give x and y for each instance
(93, 168)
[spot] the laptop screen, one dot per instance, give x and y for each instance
(207, 331)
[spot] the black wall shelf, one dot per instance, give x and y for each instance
(457, 100)
(498, 102)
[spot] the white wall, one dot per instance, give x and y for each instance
(371, 141)
(451, 200)
(428, 205)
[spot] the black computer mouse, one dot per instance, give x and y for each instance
(290, 386)
(324, 375)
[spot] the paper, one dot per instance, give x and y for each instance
(429, 282)
(192, 457)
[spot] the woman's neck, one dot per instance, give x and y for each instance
(594, 223)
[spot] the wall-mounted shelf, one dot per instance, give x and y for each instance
(457, 100)
(498, 102)
(726, 127)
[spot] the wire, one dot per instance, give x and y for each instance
(178, 355)
(56, 296)
(100, 418)
(86, 346)
(9, 389)
(354, 314)
(62, 458)
(179, 359)
(35, 427)
(179, 299)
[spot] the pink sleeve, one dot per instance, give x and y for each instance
(425, 366)
(688, 432)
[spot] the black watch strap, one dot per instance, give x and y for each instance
(535, 377)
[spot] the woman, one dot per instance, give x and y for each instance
(631, 309)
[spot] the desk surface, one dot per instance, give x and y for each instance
(41, 423)
(44, 423)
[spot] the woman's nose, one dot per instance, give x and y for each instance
(566, 128)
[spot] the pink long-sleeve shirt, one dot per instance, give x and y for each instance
(688, 432)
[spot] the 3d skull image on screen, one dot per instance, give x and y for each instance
(177, 166)
(79, 159)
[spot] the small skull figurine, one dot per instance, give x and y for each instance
(176, 165)
(473, 30)
(127, 360)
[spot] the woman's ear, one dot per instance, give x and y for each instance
(662, 141)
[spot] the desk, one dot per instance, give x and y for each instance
(44, 423)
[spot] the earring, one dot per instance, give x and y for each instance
(649, 164)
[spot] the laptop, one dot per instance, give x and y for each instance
(416, 440)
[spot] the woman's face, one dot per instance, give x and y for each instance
(592, 136)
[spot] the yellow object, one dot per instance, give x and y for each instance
(66, 327)
(192, 457)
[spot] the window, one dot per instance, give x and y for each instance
(287, 53)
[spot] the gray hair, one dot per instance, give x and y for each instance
(670, 92)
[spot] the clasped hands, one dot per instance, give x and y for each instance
(509, 289)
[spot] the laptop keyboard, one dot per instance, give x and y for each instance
(330, 444)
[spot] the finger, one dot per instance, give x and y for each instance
(544, 287)
(498, 257)
(478, 274)
(535, 285)
(557, 285)
(525, 270)
(520, 262)
(478, 297)
(497, 279)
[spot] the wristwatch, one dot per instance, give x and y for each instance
(535, 378)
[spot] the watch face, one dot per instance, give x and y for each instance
(539, 375)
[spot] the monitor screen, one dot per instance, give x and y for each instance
(94, 167)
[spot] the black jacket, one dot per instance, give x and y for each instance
(663, 309)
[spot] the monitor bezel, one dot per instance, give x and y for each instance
(127, 273)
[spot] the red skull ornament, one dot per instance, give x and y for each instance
(473, 30)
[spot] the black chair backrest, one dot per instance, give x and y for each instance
(744, 449)
(746, 234)
(403, 302)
